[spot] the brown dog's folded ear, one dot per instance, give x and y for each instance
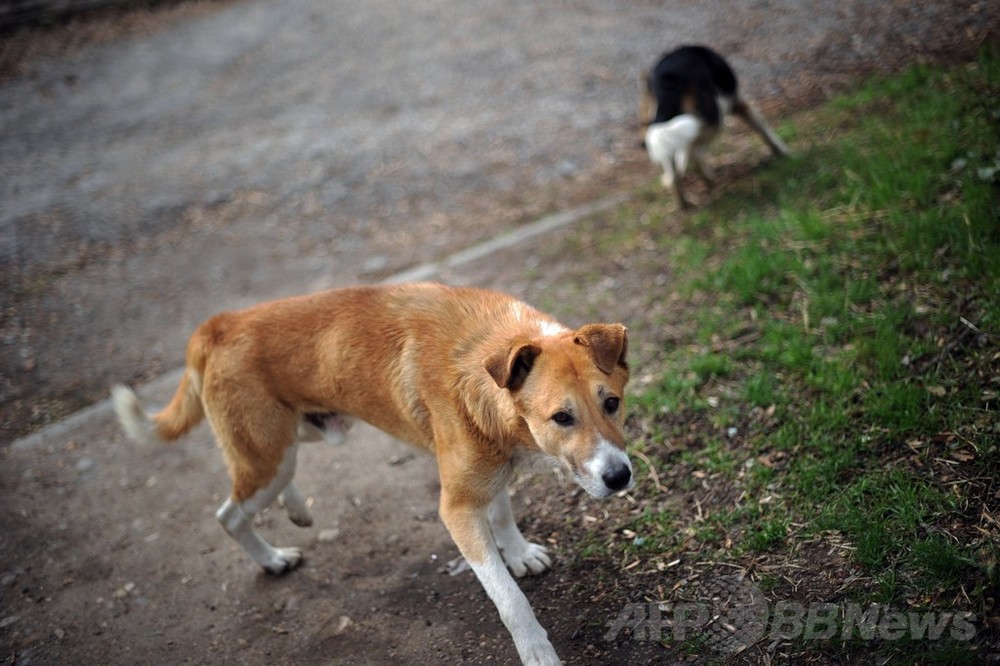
(510, 367)
(608, 344)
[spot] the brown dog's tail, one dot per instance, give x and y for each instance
(184, 412)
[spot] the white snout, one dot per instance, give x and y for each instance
(607, 472)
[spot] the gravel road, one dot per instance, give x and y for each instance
(169, 163)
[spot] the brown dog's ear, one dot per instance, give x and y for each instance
(510, 367)
(608, 344)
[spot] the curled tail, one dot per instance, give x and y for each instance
(184, 412)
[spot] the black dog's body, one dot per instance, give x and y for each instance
(685, 97)
(690, 80)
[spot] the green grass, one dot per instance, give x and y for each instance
(861, 282)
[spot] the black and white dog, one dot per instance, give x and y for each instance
(685, 97)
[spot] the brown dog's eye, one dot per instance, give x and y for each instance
(564, 419)
(611, 405)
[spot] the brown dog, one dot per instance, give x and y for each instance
(473, 376)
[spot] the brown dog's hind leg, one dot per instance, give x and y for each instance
(258, 442)
(237, 516)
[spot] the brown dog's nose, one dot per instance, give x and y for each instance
(618, 478)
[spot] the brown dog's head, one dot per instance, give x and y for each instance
(570, 389)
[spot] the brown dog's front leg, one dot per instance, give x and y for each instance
(468, 523)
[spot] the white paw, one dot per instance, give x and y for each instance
(539, 653)
(283, 560)
(530, 557)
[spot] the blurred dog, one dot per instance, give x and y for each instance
(684, 98)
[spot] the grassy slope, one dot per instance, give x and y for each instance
(824, 420)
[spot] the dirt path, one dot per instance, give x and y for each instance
(211, 158)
